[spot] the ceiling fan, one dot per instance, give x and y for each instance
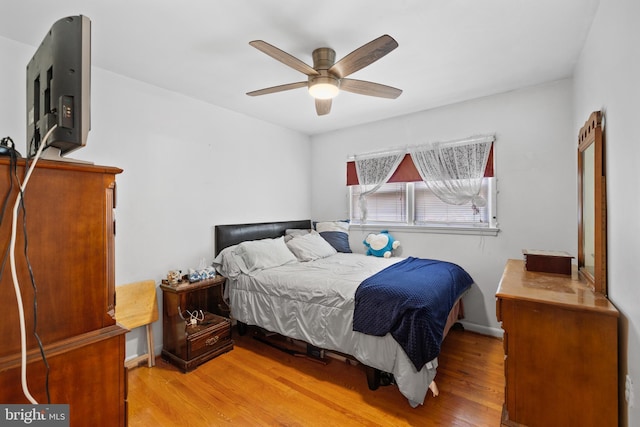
(327, 77)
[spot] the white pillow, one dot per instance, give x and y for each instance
(228, 263)
(265, 253)
(310, 247)
(290, 233)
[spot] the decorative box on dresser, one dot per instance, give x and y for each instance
(561, 350)
(70, 232)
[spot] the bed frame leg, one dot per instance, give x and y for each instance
(242, 328)
(373, 378)
(457, 326)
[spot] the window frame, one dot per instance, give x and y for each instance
(491, 229)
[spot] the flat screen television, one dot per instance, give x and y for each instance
(59, 88)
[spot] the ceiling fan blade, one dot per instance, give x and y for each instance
(280, 88)
(369, 88)
(363, 56)
(283, 57)
(323, 106)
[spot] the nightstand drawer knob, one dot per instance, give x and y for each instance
(212, 340)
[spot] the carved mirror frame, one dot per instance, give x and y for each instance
(592, 205)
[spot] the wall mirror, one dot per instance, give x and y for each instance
(592, 205)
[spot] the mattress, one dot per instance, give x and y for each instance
(314, 302)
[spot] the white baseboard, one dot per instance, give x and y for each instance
(130, 359)
(481, 329)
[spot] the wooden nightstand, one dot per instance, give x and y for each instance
(188, 345)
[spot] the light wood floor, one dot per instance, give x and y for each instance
(257, 385)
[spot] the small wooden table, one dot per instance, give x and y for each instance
(188, 343)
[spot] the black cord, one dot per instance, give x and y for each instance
(35, 298)
(5, 141)
(33, 285)
(13, 172)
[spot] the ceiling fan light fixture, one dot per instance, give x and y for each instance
(327, 77)
(324, 87)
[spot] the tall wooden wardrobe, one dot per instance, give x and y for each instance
(70, 247)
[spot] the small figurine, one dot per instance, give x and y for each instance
(174, 277)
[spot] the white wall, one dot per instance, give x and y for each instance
(607, 78)
(536, 164)
(187, 166)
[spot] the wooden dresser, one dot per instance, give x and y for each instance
(70, 235)
(561, 350)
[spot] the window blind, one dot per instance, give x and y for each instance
(388, 204)
(429, 209)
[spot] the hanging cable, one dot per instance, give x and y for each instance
(35, 290)
(16, 284)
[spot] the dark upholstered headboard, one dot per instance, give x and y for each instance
(232, 234)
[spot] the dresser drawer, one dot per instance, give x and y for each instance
(215, 333)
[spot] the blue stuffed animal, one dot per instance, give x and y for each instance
(380, 245)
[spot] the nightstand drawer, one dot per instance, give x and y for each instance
(214, 333)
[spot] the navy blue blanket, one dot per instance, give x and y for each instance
(411, 300)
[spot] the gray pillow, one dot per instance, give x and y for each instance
(228, 263)
(290, 233)
(265, 253)
(309, 247)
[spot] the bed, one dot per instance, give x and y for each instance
(314, 300)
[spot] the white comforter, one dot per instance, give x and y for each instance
(314, 302)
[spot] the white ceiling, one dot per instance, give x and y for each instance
(449, 50)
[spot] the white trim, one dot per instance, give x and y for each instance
(406, 149)
(374, 154)
(481, 329)
(430, 229)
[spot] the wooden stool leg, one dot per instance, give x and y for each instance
(150, 351)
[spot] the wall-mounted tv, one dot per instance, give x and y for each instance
(59, 87)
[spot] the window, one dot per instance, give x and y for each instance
(454, 170)
(431, 210)
(413, 204)
(387, 205)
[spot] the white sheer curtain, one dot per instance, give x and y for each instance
(453, 170)
(374, 170)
